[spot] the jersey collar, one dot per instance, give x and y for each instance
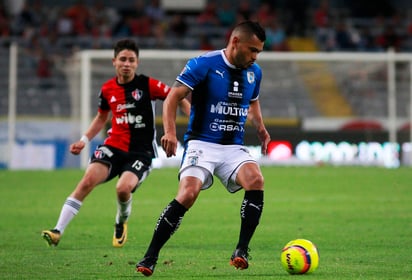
(226, 60)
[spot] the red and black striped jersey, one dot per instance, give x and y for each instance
(133, 113)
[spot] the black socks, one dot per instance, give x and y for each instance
(250, 212)
(171, 217)
(167, 224)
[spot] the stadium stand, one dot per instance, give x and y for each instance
(45, 25)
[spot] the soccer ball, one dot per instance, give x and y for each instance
(300, 256)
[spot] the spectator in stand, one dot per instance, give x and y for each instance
(178, 25)
(226, 14)
(42, 12)
(4, 23)
(275, 35)
(50, 43)
(40, 60)
(205, 44)
(136, 9)
(343, 38)
(102, 19)
(27, 19)
(138, 20)
(155, 12)
(208, 17)
(297, 17)
(159, 33)
(50, 17)
(367, 41)
(79, 15)
(142, 26)
(122, 28)
(408, 36)
(265, 12)
(44, 71)
(64, 25)
(324, 32)
(389, 39)
(369, 9)
(378, 24)
(322, 15)
(244, 10)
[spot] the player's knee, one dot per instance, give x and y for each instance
(255, 182)
(87, 183)
(187, 199)
(124, 190)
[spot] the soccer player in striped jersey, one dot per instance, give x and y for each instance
(224, 89)
(130, 146)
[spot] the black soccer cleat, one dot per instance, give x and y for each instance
(146, 266)
(239, 259)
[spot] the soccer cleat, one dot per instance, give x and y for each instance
(52, 236)
(119, 235)
(146, 266)
(239, 258)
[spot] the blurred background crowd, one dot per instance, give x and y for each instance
(48, 32)
(332, 25)
(46, 29)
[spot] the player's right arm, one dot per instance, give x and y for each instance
(95, 127)
(169, 140)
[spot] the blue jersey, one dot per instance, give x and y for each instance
(221, 94)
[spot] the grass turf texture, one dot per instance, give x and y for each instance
(360, 219)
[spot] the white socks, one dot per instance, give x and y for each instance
(123, 211)
(70, 209)
(72, 206)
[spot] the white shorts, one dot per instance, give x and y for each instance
(223, 161)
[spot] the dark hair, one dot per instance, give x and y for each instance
(125, 44)
(252, 27)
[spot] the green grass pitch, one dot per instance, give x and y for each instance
(359, 217)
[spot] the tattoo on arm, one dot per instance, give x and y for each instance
(183, 89)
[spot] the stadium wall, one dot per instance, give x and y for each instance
(44, 145)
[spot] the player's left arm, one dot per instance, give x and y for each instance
(95, 127)
(255, 116)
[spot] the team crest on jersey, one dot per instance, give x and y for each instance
(250, 77)
(137, 94)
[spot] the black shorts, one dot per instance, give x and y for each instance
(120, 161)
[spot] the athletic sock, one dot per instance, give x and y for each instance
(250, 212)
(70, 209)
(167, 224)
(123, 211)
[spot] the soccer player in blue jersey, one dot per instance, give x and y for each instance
(224, 89)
